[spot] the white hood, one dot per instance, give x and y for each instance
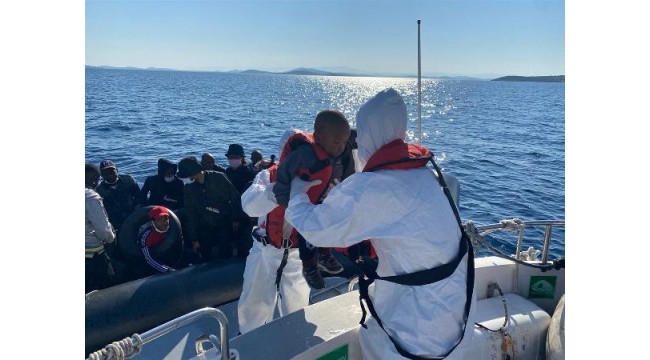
(380, 120)
(284, 138)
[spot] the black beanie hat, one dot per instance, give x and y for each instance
(189, 166)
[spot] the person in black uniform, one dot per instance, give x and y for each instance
(120, 193)
(214, 212)
(237, 171)
(164, 189)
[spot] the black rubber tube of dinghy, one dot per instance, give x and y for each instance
(128, 241)
(140, 305)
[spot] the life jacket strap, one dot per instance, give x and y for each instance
(435, 274)
(278, 273)
(286, 242)
(423, 277)
(259, 238)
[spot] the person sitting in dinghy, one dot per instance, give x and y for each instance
(418, 311)
(153, 233)
(209, 163)
(99, 269)
(213, 212)
(258, 162)
(164, 189)
(121, 193)
(238, 171)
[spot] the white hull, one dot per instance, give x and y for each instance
(331, 327)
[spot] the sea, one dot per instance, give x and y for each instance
(504, 141)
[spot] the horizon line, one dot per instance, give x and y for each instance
(357, 73)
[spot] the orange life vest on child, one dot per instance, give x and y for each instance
(321, 170)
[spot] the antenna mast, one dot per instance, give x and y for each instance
(419, 90)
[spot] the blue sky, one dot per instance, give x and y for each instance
(473, 38)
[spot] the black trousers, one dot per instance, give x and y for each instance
(99, 272)
(215, 241)
(306, 250)
(243, 238)
(221, 242)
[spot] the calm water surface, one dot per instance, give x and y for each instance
(503, 140)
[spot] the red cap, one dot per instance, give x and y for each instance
(158, 211)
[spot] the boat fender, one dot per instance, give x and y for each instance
(136, 306)
(128, 240)
(555, 334)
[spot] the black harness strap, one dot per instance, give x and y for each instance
(278, 274)
(286, 244)
(423, 277)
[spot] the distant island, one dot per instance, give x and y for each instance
(350, 72)
(297, 71)
(553, 78)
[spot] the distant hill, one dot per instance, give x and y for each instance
(129, 68)
(332, 71)
(253, 71)
(553, 78)
(310, 71)
(456, 77)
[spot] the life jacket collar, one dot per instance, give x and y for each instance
(398, 154)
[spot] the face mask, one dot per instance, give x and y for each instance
(112, 183)
(187, 181)
(169, 178)
(234, 163)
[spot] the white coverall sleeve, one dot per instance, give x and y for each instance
(353, 211)
(258, 200)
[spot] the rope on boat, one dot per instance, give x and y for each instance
(119, 350)
(515, 224)
(507, 344)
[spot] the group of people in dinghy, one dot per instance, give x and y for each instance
(372, 194)
(213, 221)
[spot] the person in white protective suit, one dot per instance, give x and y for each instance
(398, 204)
(260, 293)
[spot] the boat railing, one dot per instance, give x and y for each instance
(131, 346)
(520, 226)
(189, 318)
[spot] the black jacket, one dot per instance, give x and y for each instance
(161, 192)
(241, 177)
(120, 199)
(215, 202)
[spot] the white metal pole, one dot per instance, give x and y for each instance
(419, 90)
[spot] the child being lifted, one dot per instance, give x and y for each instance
(325, 155)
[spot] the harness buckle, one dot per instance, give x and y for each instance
(258, 237)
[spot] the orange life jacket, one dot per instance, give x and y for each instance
(398, 154)
(321, 170)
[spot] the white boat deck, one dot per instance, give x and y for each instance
(180, 343)
(331, 326)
